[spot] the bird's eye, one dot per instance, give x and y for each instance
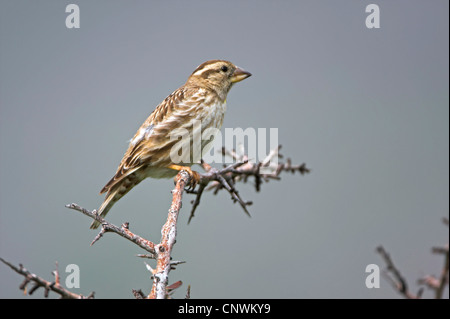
(224, 68)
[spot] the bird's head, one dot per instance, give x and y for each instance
(218, 75)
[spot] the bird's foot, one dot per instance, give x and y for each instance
(194, 176)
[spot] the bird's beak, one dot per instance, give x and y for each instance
(239, 75)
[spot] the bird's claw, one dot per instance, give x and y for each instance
(194, 178)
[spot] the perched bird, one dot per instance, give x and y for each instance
(203, 99)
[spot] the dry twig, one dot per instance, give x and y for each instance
(169, 233)
(42, 283)
(122, 231)
(213, 179)
(398, 282)
(227, 177)
(436, 284)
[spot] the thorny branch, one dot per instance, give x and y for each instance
(399, 282)
(213, 179)
(38, 282)
(122, 231)
(226, 178)
(168, 238)
(438, 284)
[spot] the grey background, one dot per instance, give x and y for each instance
(367, 110)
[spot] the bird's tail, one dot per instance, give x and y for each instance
(116, 192)
(110, 200)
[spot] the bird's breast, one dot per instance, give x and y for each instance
(206, 129)
(213, 115)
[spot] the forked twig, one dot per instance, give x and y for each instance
(227, 177)
(48, 286)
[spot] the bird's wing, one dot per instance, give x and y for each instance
(153, 136)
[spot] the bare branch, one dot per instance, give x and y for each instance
(226, 178)
(213, 179)
(397, 281)
(438, 284)
(169, 232)
(188, 292)
(430, 281)
(47, 285)
(138, 294)
(443, 281)
(445, 270)
(122, 231)
(171, 288)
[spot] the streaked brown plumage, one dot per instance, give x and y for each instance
(201, 98)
